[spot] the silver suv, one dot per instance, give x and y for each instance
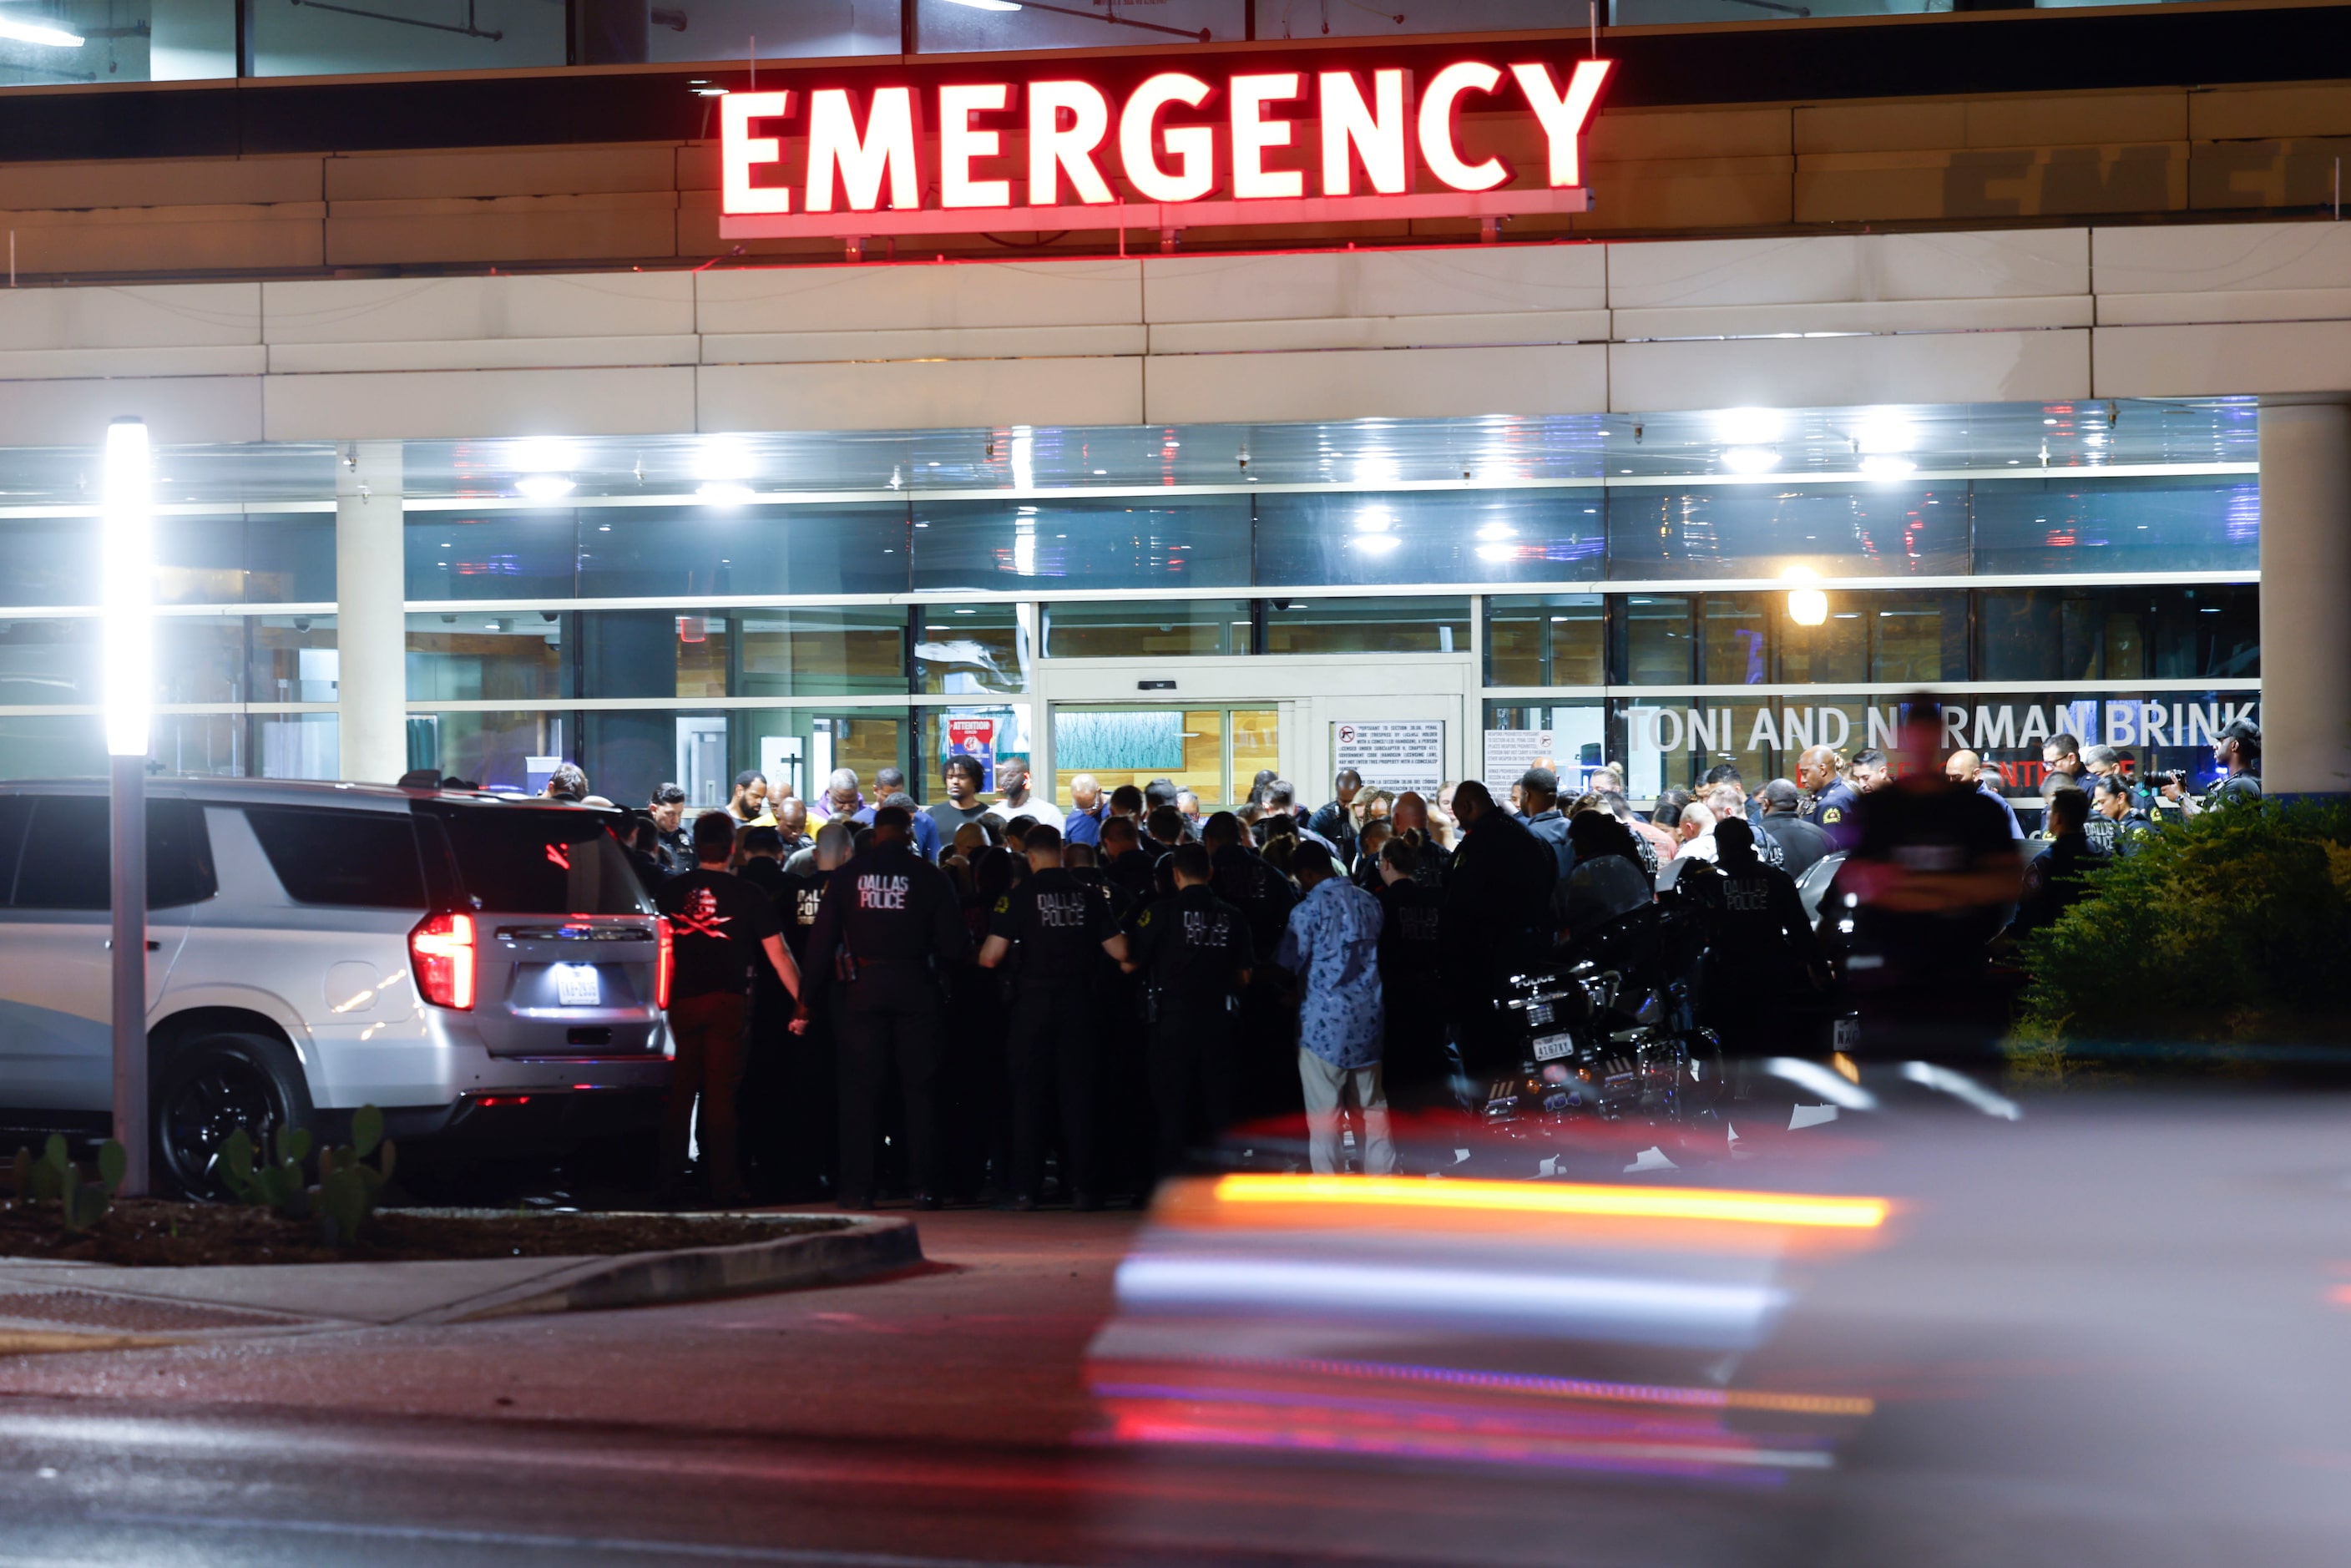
(479, 968)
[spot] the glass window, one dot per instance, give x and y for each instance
(49, 662)
(1734, 640)
(48, 561)
(360, 859)
(638, 653)
(1255, 746)
(1836, 651)
(522, 860)
(725, 29)
(2039, 635)
(298, 746)
(809, 653)
(498, 555)
(483, 35)
(1367, 626)
(471, 657)
(2179, 633)
(488, 748)
(212, 744)
(1442, 536)
(1156, 628)
(42, 746)
(1761, 531)
(140, 40)
(1556, 640)
(68, 855)
(199, 658)
(1112, 543)
(233, 559)
(1135, 746)
(972, 648)
(1921, 638)
(1008, 731)
(955, 26)
(1655, 633)
(291, 658)
(2084, 523)
(1579, 740)
(798, 748)
(640, 552)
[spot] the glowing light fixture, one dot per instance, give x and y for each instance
(1887, 467)
(33, 33)
(724, 493)
(1749, 426)
(985, 5)
(1750, 459)
(1885, 433)
(1559, 1198)
(544, 486)
(1807, 605)
(1498, 531)
(128, 543)
(1375, 544)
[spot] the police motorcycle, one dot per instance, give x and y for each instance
(1607, 1039)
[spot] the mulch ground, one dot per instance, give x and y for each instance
(154, 1233)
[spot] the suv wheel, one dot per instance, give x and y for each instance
(211, 1087)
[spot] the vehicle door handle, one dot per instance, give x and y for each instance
(151, 947)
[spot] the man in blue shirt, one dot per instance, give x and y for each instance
(888, 785)
(1082, 823)
(1332, 945)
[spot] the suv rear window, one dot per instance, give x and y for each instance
(361, 859)
(69, 853)
(524, 859)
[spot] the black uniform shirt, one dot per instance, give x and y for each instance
(887, 904)
(1761, 933)
(1497, 895)
(1060, 924)
(1787, 840)
(797, 901)
(1410, 957)
(1133, 871)
(717, 923)
(1953, 829)
(1265, 898)
(1191, 947)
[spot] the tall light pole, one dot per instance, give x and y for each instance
(129, 569)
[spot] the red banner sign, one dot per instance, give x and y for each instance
(1193, 151)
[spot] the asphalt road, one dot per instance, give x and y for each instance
(2113, 1334)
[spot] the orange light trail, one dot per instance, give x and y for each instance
(1559, 1198)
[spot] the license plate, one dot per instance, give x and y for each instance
(1551, 1047)
(1844, 1034)
(576, 986)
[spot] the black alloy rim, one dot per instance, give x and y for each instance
(222, 1095)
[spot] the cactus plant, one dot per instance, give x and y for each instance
(55, 1178)
(348, 1188)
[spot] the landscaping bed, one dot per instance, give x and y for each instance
(155, 1233)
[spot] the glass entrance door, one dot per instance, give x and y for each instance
(1214, 750)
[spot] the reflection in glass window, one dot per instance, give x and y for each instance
(48, 561)
(1579, 740)
(1116, 543)
(1837, 650)
(1442, 536)
(802, 653)
(233, 558)
(2120, 634)
(484, 36)
(1128, 629)
(1921, 638)
(1759, 531)
(49, 662)
(200, 658)
(2039, 635)
(460, 656)
(1135, 746)
(957, 27)
(488, 748)
(972, 648)
(497, 554)
(297, 746)
(1367, 626)
(1556, 639)
(211, 745)
(124, 41)
(1735, 639)
(2084, 524)
(1655, 629)
(641, 552)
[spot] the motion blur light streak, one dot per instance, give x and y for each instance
(1576, 1387)
(1628, 1202)
(1655, 1310)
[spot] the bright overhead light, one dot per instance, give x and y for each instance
(721, 493)
(56, 39)
(1373, 522)
(2093, 439)
(1498, 531)
(1887, 467)
(1375, 471)
(1497, 552)
(127, 538)
(1750, 459)
(724, 459)
(1749, 426)
(544, 486)
(1807, 605)
(1885, 433)
(985, 5)
(1375, 544)
(543, 454)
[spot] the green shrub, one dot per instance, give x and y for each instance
(348, 1188)
(54, 1179)
(2232, 927)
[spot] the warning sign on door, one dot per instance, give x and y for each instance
(1392, 754)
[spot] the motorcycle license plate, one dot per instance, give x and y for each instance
(1551, 1047)
(577, 986)
(1844, 1034)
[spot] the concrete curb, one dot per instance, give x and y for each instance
(866, 1244)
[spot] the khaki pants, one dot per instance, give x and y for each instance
(1327, 1089)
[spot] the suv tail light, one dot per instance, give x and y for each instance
(665, 961)
(441, 946)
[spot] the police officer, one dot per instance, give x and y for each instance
(1833, 805)
(1798, 844)
(1539, 797)
(2116, 804)
(1194, 953)
(1062, 926)
(1762, 958)
(889, 923)
(789, 1110)
(1412, 1058)
(667, 808)
(1243, 878)
(1496, 921)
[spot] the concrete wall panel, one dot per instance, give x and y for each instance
(1400, 383)
(1095, 292)
(442, 309)
(502, 171)
(1800, 373)
(178, 412)
(899, 395)
(192, 240)
(1865, 267)
(133, 316)
(623, 226)
(2223, 360)
(428, 404)
(1374, 283)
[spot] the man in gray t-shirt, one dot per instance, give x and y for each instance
(963, 804)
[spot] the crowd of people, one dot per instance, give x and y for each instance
(871, 997)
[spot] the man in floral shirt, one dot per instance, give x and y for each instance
(1332, 945)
